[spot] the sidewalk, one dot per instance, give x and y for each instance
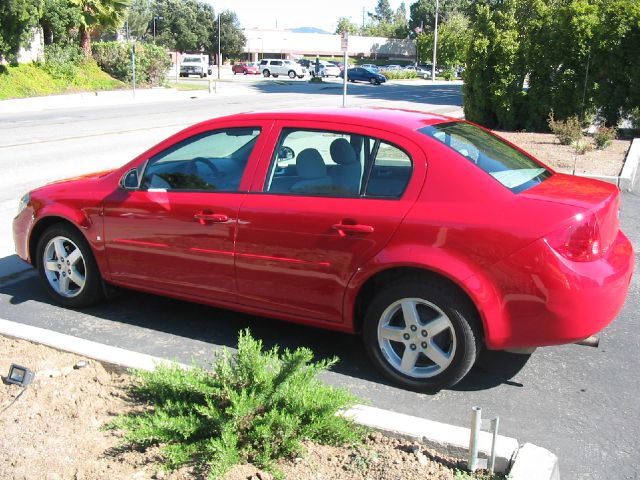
(118, 97)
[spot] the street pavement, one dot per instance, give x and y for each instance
(579, 402)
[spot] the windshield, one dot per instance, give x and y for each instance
(191, 60)
(506, 164)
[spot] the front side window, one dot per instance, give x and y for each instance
(210, 161)
(506, 164)
(337, 164)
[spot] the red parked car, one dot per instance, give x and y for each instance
(246, 68)
(429, 235)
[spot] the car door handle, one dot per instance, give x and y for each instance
(204, 218)
(344, 229)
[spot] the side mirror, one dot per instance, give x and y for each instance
(130, 180)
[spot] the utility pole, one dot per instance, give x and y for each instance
(435, 45)
(219, 57)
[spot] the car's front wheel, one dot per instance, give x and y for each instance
(373, 81)
(423, 336)
(67, 267)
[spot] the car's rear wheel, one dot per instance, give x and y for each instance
(291, 74)
(67, 267)
(423, 336)
(266, 73)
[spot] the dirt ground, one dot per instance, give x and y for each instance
(53, 432)
(564, 158)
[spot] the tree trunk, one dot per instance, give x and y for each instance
(85, 40)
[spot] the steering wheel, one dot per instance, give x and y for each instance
(213, 170)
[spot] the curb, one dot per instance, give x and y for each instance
(627, 181)
(527, 462)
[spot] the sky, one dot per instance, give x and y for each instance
(285, 14)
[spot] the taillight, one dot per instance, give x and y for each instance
(579, 241)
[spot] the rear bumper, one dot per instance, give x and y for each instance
(546, 299)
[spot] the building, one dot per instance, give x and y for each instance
(293, 45)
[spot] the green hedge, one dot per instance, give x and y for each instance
(399, 74)
(152, 61)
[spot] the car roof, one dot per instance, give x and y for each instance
(376, 117)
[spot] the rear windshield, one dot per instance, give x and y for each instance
(507, 165)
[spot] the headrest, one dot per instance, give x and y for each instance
(309, 164)
(342, 152)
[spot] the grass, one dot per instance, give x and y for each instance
(188, 86)
(32, 80)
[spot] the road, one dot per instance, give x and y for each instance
(579, 402)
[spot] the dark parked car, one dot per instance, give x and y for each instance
(359, 74)
(430, 236)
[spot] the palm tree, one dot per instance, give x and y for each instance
(98, 14)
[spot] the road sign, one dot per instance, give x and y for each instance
(344, 41)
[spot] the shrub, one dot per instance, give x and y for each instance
(449, 74)
(152, 61)
(566, 131)
(604, 136)
(634, 117)
(254, 406)
(582, 146)
(399, 74)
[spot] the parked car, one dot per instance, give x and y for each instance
(325, 69)
(277, 67)
(370, 66)
(331, 218)
(359, 74)
(195, 65)
(246, 68)
(391, 68)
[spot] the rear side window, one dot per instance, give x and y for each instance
(506, 164)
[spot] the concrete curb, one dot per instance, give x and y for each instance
(627, 181)
(528, 462)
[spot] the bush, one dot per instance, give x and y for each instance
(399, 74)
(566, 131)
(152, 61)
(634, 117)
(604, 136)
(254, 406)
(62, 61)
(450, 74)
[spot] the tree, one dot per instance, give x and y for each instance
(422, 13)
(60, 22)
(139, 19)
(231, 37)
(346, 25)
(383, 12)
(17, 19)
(186, 26)
(98, 14)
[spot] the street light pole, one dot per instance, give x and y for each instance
(435, 45)
(219, 58)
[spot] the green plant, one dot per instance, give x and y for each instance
(449, 74)
(254, 406)
(604, 136)
(582, 146)
(399, 74)
(567, 131)
(152, 61)
(634, 116)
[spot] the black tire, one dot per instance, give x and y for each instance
(300, 76)
(291, 74)
(455, 340)
(245, 72)
(275, 76)
(70, 239)
(373, 81)
(266, 73)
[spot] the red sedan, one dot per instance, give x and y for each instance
(429, 235)
(246, 68)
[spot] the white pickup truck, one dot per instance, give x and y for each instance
(195, 65)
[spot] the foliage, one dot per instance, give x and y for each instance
(384, 22)
(60, 22)
(231, 37)
(98, 14)
(346, 25)
(567, 131)
(604, 136)
(399, 74)
(152, 61)
(422, 13)
(530, 57)
(453, 41)
(139, 19)
(17, 19)
(32, 79)
(254, 406)
(187, 26)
